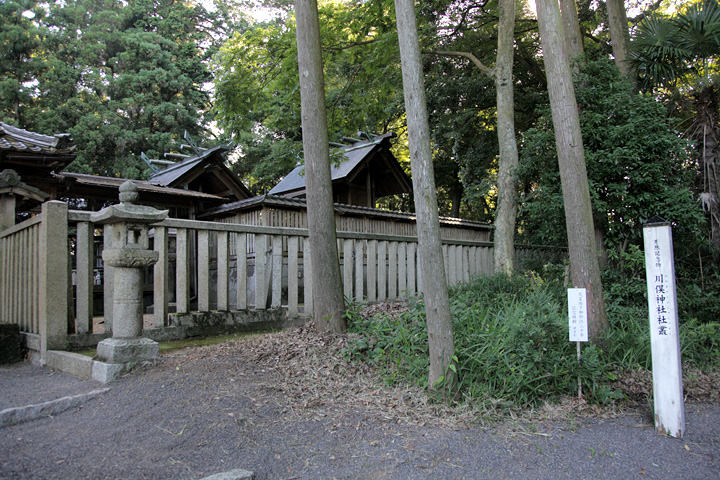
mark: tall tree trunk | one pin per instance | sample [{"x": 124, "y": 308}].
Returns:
[
  {"x": 620, "y": 37},
  {"x": 506, "y": 214},
  {"x": 328, "y": 300},
  {"x": 571, "y": 26},
  {"x": 456, "y": 194},
  {"x": 707, "y": 140},
  {"x": 584, "y": 267},
  {"x": 434, "y": 282}
]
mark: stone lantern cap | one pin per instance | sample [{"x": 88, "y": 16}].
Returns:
[{"x": 128, "y": 210}]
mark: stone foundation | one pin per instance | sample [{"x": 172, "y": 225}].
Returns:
[{"x": 127, "y": 350}]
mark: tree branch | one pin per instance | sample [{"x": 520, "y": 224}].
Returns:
[
  {"x": 351, "y": 45},
  {"x": 651, "y": 9},
  {"x": 449, "y": 53}
]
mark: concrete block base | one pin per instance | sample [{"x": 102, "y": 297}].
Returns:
[
  {"x": 127, "y": 350},
  {"x": 107, "y": 372},
  {"x": 83, "y": 367},
  {"x": 79, "y": 366}
]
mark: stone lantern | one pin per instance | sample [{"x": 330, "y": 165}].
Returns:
[{"x": 129, "y": 255}]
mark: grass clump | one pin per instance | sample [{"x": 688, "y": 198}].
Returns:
[
  {"x": 511, "y": 341},
  {"x": 511, "y": 344}
]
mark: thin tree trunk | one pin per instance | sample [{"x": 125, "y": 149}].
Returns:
[
  {"x": 709, "y": 161},
  {"x": 571, "y": 25},
  {"x": 620, "y": 37},
  {"x": 437, "y": 302},
  {"x": 584, "y": 263},
  {"x": 328, "y": 300},
  {"x": 506, "y": 214}
]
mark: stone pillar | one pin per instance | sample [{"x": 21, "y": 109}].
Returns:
[
  {"x": 8, "y": 178},
  {"x": 53, "y": 281},
  {"x": 128, "y": 255},
  {"x": 7, "y": 211}
]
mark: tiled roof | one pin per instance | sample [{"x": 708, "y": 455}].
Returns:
[
  {"x": 173, "y": 172},
  {"x": 353, "y": 154},
  {"x": 19, "y": 140}
]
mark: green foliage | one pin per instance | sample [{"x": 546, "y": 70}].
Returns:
[
  {"x": 20, "y": 38},
  {"x": 637, "y": 165},
  {"x": 699, "y": 342},
  {"x": 462, "y": 101},
  {"x": 258, "y": 99},
  {"x": 511, "y": 344},
  {"x": 669, "y": 48},
  {"x": 121, "y": 77},
  {"x": 511, "y": 340},
  {"x": 396, "y": 344}
]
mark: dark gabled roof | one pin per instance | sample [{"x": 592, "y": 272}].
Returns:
[
  {"x": 174, "y": 173},
  {"x": 276, "y": 201},
  {"x": 30, "y": 152},
  {"x": 182, "y": 172},
  {"x": 353, "y": 159}
]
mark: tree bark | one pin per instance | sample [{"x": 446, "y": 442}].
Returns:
[
  {"x": 434, "y": 285},
  {"x": 328, "y": 300},
  {"x": 506, "y": 214},
  {"x": 620, "y": 37},
  {"x": 584, "y": 266},
  {"x": 571, "y": 25}
]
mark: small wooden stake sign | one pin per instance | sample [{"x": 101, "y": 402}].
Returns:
[
  {"x": 577, "y": 316},
  {"x": 664, "y": 331}
]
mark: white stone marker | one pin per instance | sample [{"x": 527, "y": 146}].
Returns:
[{"x": 664, "y": 332}]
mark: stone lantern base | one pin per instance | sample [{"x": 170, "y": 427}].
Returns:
[{"x": 127, "y": 350}]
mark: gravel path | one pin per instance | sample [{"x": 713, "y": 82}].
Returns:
[{"x": 205, "y": 410}]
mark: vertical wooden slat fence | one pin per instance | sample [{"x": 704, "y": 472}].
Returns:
[
  {"x": 19, "y": 281},
  {"x": 206, "y": 266}
]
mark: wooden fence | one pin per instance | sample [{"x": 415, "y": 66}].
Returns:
[
  {"x": 203, "y": 266},
  {"x": 34, "y": 277}
]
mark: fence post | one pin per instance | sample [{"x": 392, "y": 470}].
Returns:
[
  {"x": 160, "y": 278},
  {"x": 84, "y": 262},
  {"x": 52, "y": 297}
]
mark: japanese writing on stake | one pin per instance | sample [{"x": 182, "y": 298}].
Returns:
[
  {"x": 577, "y": 314},
  {"x": 662, "y": 289},
  {"x": 664, "y": 338}
]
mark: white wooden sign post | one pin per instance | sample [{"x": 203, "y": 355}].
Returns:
[
  {"x": 664, "y": 332},
  {"x": 578, "y": 322}
]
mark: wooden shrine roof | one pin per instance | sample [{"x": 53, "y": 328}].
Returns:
[{"x": 356, "y": 157}]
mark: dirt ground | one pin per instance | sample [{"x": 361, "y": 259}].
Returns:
[{"x": 287, "y": 406}]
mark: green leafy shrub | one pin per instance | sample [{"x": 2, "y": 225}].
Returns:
[
  {"x": 511, "y": 339},
  {"x": 516, "y": 350},
  {"x": 511, "y": 344}
]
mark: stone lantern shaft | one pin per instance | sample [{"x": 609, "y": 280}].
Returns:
[{"x": 129, "y": 256}]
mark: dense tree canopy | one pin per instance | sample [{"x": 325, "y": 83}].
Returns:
[
  {"x": 126, "y": 77},
  {"x": 257, "y": 99},
  {"x": 637, "y": 165},
  {"x": 122, "y": 77}
]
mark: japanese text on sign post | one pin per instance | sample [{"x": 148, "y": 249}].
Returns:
[
  {"x": 664, "y": 333},
  {"x": 577, "y": 314}
]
